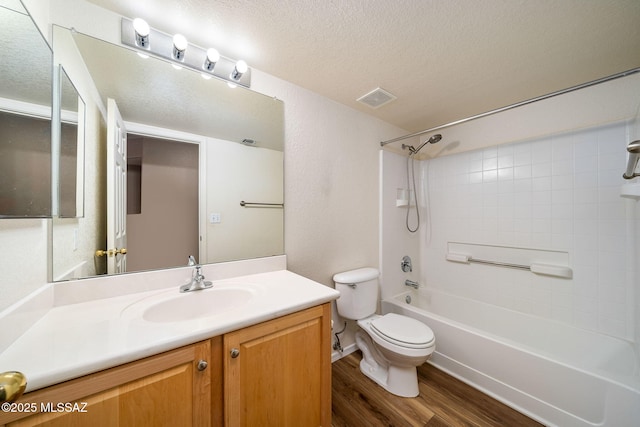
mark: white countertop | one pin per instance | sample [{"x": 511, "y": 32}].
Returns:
[{"x": 71, "y": 340}]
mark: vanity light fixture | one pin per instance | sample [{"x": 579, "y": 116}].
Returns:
[
  {"x": 142, "y": 31},
  {"x": 179, "y": 52}
]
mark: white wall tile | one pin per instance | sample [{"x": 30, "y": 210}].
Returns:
[
  {"x": 522, "y": 171},
  {"x": 587, "y": 163},
  {"x": 541, "y": 169},
  {"x": 560, "y": 193},
  {"x": 544, "y": 183}
]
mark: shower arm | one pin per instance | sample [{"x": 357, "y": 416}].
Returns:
[{"x": 634, "y": 155}]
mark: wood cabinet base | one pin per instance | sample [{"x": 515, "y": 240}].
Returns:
[{"x": 280, "y": 376}]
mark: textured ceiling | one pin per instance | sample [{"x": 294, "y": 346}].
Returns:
[{"x": 444, "y": 60}]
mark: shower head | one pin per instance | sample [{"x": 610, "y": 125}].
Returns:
[{"x": 434, "y": 139}]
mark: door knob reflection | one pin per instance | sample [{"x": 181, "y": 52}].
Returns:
[{"x": 111, "y": 252}]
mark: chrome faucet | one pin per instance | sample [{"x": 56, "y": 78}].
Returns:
[
  {"x": 411, "y": 283},
  {"x": 197, "y": 282}
]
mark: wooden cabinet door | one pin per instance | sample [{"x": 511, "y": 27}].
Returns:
[
  {"x": 278, "y": 373},
  {"x": 170, "y": 389}
]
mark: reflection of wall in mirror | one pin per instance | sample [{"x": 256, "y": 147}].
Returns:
[
  {"x": 252, "y": 174},
  {"x": 162, "y": 229},
  {"x": 68, "y": 169},
  {"x": 25, "y": 166}
]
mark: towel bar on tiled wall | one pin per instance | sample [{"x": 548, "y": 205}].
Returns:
[{"x": 537, "y": 268}]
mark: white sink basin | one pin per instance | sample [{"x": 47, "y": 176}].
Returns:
[
  {"x": 172, "y": 306},
  {"x": 197, "y": 304}
]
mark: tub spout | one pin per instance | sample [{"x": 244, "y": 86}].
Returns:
[{"x": 411, "y": 283}]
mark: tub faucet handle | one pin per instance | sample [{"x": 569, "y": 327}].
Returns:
[{"x": 406, "y": 264}]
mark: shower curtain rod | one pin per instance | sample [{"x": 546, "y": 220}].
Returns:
[{"x": 517, "y": 104}]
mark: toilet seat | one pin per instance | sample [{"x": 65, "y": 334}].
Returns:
[{"x": 403, "y": 331}]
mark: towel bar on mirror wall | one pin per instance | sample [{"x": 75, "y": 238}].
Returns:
[{"x": 261, "y": 205}]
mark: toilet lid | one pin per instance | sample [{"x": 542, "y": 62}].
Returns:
[{"x": 403, "y": 330}]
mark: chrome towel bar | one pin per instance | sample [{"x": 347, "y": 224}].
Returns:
[{"x": 261, "y": 205}]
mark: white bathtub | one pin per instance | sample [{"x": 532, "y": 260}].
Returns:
[{"x": 559, "y": 375}]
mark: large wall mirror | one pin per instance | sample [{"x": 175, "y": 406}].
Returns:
[
  {"x": 196, "y": 148},
  {"x": 25, "y": 116}
]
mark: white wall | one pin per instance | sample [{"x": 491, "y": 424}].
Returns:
[
  {"x": 331, "y": 181},
  {"x": 24, "y": 270}
]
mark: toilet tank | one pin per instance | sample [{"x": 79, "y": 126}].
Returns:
[{"x": 358, "y": 293}]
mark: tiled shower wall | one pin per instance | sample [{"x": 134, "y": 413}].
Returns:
[{"x": 560, "y": 192}]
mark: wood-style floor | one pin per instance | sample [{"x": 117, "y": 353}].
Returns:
[{"x": 443, "y": 401}]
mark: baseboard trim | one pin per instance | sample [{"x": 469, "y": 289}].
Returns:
[{"x": 336, "y": 355}]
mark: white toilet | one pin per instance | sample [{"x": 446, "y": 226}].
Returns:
[{"x": 392, "y": 345}]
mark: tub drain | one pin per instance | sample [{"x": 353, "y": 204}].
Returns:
[{"x": 408, "y": 299}]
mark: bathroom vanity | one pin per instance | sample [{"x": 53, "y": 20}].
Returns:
[{"x": 262, "y": 362}]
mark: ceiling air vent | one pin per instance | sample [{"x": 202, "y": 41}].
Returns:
[{"x": 376, "y": 98}]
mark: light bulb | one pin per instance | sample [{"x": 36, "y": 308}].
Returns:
[
  {"x": 179, "y": 46},
  {"x": 142, "y": 30},
  {"x": 240, "y": 68},
  {"x": 213, "y": 56}
]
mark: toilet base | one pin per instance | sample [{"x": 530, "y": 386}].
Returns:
[
  {"x": 402, "y": 382},
  {"x": 399, "y": 380}
]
